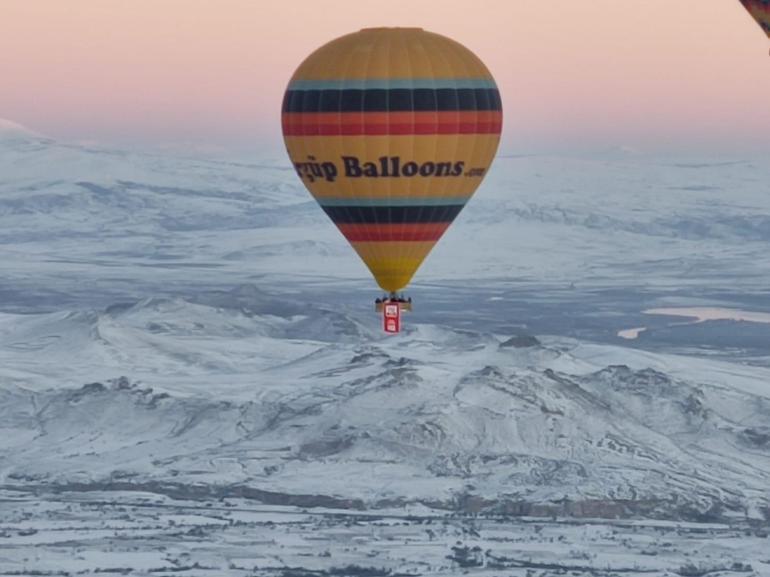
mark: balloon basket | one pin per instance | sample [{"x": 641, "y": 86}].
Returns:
[
  {"x": 391, "y": 309},
  {"x": 403, "y": 305}
]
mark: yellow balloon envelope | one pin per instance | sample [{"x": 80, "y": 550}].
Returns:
[
  {"x": 760, "y": 10},
  {"x": 392, "y": 130}
]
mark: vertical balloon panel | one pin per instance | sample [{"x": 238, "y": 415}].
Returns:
[{"x": 392, "y": 130}]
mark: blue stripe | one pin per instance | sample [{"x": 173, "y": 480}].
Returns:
[
  {"x": 391, "y": 83},
  {"x": 402, "y": 201},
  {"x": 392, "y": 214},
  {"x": 391, "y": 100}
]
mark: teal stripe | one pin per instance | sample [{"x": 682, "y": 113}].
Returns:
[
  {"x": 391, "y": 83},
  {"x": 409, "y": 201}
]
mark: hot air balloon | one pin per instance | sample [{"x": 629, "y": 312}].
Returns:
[
  {"x": 392, "y": 130},
  {"x": 760, "y": 11}
]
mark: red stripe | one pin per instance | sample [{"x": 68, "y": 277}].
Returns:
[
  {"x": 383, "y": 232},
  {"x": 378, "y": 123}
]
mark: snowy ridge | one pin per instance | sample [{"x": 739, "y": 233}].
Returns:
[
  {"x": 327, "y": 407},
  {"x": 128, "y": 219},
  {"x": 12, "y": 130},
  {"x": 192, "y": 380}
]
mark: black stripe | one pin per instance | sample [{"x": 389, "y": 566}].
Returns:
[
  {"x": 392, "y": 214},
  {"x": 397, "y": 99}
]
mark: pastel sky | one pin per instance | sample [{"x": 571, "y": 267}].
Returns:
[{"x": 593, "y": 73}]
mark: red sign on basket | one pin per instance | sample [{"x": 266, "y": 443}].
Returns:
[{"x": 391, "y": 316}]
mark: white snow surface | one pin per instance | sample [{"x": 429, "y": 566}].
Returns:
[
  {"x": 321, "y": 403},
  {"x": 73, "y": 214},
  {"x": 153, "y": 338}
]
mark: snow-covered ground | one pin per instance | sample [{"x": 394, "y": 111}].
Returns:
[
  {"x": 188, "y": 344},
  {"x": 146, "y": 534},
  {"x": 79, "y": 223}
]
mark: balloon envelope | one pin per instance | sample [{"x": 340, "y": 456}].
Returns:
[
  {"x": 760, "y": 10},
  {"x": 392, "y": 130}
]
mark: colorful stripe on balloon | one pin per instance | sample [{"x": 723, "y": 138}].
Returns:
[
  {"x": 382, "y": 123},
  {"x": 396, "y": 106},
  {"x": 393, "y": 232},
  {"x": 391, "y": 83},
  {"x": 391, "y": 100},
  {"x": 393, "y": 220},
  {"x": 426, "y": 201},
  {"x": 394, "y": 214}
]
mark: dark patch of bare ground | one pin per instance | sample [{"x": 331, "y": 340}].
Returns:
[{"x": 664, "y": 509}]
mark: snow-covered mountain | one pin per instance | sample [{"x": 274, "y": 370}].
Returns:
[
  {"x": 139, "y": 223},
  {"x": 191, "y": 332},
  {"x": 169, "y": 393}
]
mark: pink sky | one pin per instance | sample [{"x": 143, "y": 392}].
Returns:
[{"x": 601, "y": 73}]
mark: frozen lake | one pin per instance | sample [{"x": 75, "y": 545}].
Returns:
[{"x": 698, "y": 315}]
